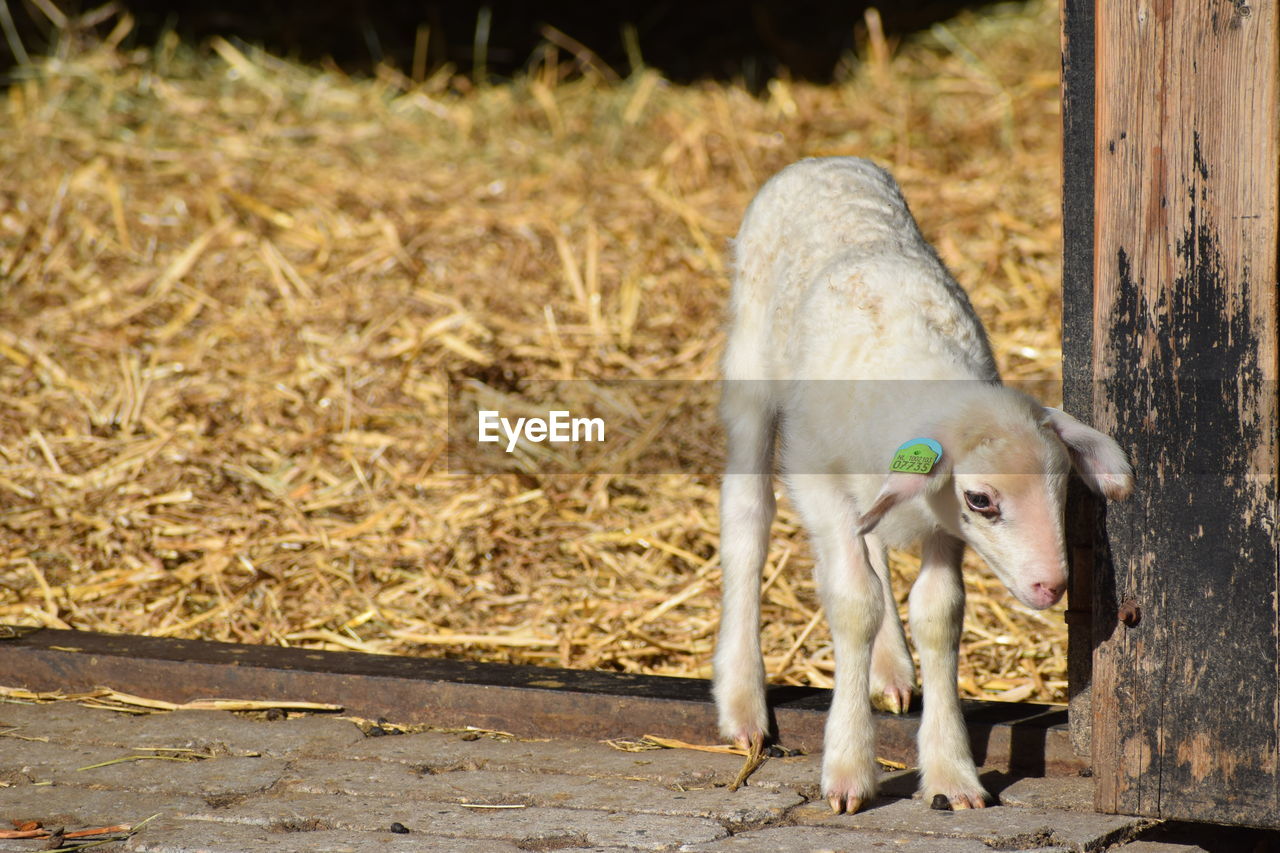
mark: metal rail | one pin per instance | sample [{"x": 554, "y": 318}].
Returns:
[{"x": 1021, "y": 738}]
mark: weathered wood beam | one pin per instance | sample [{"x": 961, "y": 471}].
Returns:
[{"x": 1186, "y": 690}]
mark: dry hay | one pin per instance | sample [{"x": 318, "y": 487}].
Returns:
[{"x": 234, "y": 288}]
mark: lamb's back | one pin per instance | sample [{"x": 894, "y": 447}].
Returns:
[{"x": 834, "y": 280}]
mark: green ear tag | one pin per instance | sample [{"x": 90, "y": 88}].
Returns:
[{"x": 917, "y": 456}]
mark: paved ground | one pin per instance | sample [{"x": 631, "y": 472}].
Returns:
[{"x": 323, "y": 784}]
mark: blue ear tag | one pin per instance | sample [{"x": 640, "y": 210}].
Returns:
[{"x": 917, "y": 456}]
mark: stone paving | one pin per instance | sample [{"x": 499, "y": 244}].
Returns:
[{"x": 313, "y": 783}]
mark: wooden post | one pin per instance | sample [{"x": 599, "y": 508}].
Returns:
[
  {"x": 1077, "y": 345},
  {"x": 1182, "y": 353}
]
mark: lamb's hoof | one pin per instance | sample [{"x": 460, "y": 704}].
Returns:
[
  {"x": 846, "y": 794},
  {"x": 893, "y": 700},
  {"x": 752, "y": 742},
  {"x": 844, "y": 803},
  {"x": 754, "y": 745},
  {"x": 969, "y": 801},
  {"x": 956, "y": 802}
]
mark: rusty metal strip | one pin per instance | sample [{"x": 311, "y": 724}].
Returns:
[{"x": 525, "y": 700}]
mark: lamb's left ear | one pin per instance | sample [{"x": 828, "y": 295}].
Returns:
[
  {"x": 898, "y": 487},
  {"x": 1097, "y": 459}
]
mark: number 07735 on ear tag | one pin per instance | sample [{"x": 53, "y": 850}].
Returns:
[{"x": 917, "y": 456}]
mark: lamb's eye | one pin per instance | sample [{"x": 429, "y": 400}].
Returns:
[{"x": 980, "y": 502}]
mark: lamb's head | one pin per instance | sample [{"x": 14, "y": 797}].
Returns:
[{"x": 1001, "y": 486}]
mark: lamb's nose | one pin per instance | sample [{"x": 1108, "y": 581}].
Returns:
[{"x": 1048, "y": 592}]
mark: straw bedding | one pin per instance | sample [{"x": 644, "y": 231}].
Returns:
[{"x": 233, "y": 290}]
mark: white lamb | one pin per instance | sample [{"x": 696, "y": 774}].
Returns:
[{"x": 849, "y": 338}]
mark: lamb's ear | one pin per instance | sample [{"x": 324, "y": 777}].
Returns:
[
  {"x": 916, "y": 467},
  {"x": 1097, "y": 459},
  {"x": 896, "y": 489}
]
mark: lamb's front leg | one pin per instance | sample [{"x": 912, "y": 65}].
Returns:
[
  {"x": 937, "y": 614},
  {"x": 853, "y": 598}
]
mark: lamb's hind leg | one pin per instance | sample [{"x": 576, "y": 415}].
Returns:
[
  {"x": 746, "y": 512},
  {"x": 892, "y": 672}
]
